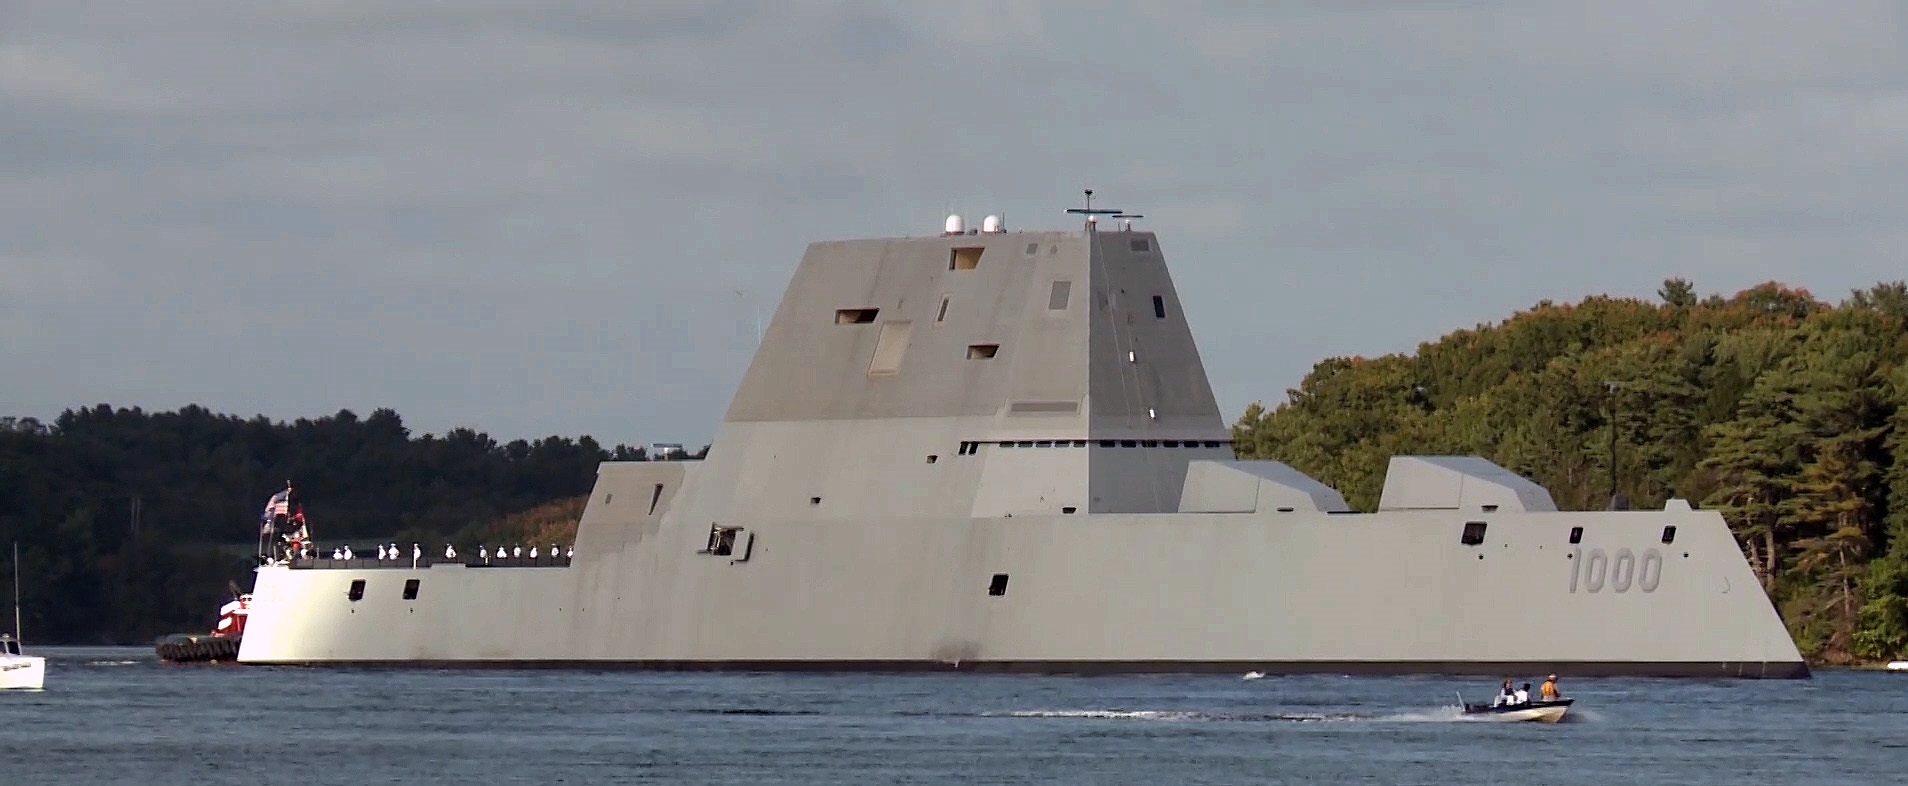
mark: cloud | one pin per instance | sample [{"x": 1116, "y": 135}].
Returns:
[{"x": 534, "y": 218}]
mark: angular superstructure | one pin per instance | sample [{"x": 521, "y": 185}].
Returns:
[{"x": 999, "y": 450}]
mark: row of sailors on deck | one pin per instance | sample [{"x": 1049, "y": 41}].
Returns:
[
  {"x": 450, "y": 552},
  {"x": 517, "y": 552}
]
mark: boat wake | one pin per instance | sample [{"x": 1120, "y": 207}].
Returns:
[
  {"x": 112, "y": 663},
  {"x": 1442, "y": 714}
]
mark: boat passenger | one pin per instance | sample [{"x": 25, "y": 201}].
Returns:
[
  {"x": 483, "y": 553},
  {"x": 450, "y": 552},
  {"x": 1504, "y": 694},
  {"x": 533, "y": 552},
  {"x": 1522, "y": 696},
  {"x": 1549, "y": 689},
  {"x": 571, "y": 553},
  {"x": 516, "y": 551},
  {"x": 380, "y": 552}
]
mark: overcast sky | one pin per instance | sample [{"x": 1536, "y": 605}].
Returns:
[{"x": 534, "y": 217}]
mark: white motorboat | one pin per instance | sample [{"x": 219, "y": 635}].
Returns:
[
  {"x": 1539, "y": 711},
  {"x": 19, "y": 671},
  {"x": 1898, "y": 665}
]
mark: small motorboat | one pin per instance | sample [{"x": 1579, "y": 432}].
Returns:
[
  {"x": 1897, "y": 665},
  {"x": 18, "y": 670},
  {"x": 1536, "y": 710}
]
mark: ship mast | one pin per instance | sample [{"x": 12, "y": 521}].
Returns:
[{"x": 16, "y": 593}]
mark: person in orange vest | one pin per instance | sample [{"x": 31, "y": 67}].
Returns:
[{"x": 1549, "y": 690}]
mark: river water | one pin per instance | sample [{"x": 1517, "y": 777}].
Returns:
[{"x": 116, "y": 716}]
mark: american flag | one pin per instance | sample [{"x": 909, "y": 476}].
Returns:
[{"x": 279, "y": 503}]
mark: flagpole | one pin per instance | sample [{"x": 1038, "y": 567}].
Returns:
[{"x": 16, "y": 593}]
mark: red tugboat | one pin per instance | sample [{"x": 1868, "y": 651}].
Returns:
[
  {"x": 282, "y": 537},
  {"x": 221, "y": 646}
]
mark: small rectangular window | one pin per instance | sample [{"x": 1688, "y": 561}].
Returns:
[
  {"x": 1033, "y": 248},
  {"x": 855, "y": 316},
  {"x": 410, "y": 589},
  {"x": 1057, "y": 299},
  {"x": 1159, "y": 307},
  {"x": 1140, "y": 245},
  {"x": 1669, "y": 534},
  {"x": 998, "y": 586},
  {"x": 357, "y": 590},
  {"x": 1473, "y": 533},
  {"x": 982, "y": 351},
  {"x": 654, "y": 498},
  {"x": 890, "y": 346},
  {"x": 964, "y": 258},
  {"x": 721, "y": 540},
  {"x": 1576, "y": 535},
  {"x": 941, "y": 316}
]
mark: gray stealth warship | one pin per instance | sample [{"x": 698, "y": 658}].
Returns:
[{"x": 998, "y": 451}]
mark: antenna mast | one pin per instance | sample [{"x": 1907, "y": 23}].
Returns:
[
  {"x": 1090, "y": 212},
  {"x": 16, "y": 593}
]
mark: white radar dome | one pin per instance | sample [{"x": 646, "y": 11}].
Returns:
[
  {"x": 955, "y": 226},
  {"x": 992, "y": 224}
]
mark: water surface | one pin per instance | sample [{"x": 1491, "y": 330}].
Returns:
[{"x": 115, "y": 715}]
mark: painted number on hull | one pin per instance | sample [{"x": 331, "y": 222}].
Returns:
[{"x": 1592, "y": 570}]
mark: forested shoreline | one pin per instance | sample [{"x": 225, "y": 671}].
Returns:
[
  {"x": 1786, "y": 413},
  {"x": 131, "y": 523}
]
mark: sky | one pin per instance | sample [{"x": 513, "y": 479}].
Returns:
[{"x": 566, "y": 216}]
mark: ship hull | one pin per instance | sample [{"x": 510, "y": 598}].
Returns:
[
  {"x": 1716, "y": 670},
  {"x": 1386, "y": 593}
]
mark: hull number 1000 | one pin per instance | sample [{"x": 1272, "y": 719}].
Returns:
[{"x": 1593, "y": 571}]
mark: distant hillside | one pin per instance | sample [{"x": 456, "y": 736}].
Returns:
[
  {"x": 1788, "y": 414},
  {"x": 550, "y": 523},
  {"x": 130, "y": 523}
]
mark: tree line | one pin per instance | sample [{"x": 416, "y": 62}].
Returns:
[
  {"x": 1786, "y": 413},
  {"x": 130, "y": 523}
]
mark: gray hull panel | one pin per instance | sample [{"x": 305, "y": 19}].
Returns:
[{"x": 1715, "y": 670}]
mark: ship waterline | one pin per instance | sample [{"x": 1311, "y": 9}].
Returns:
[{"x": 999, "y": 451}]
